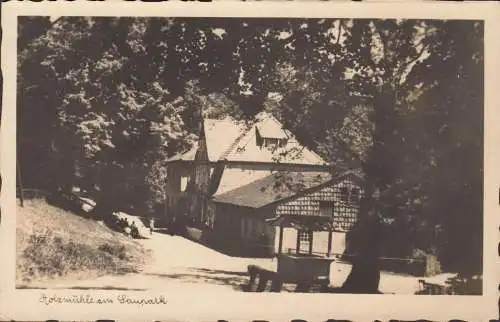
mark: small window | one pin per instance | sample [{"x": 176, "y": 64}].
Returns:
[
  {"x": 344, "y": 194},
  {"x": 184, "y": 183},
  {"x": 355, "y": 195},
  {"x": 326, "y": 208},
  {"x": 305, "y": 240},
  {"x": 271, "y": 143}
]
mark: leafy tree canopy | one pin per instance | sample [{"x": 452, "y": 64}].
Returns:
[{"x": 104, "y": 101}]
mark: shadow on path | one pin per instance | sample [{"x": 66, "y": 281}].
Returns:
[
  {"x": 212, "y": 276},
  {"x": 108, "y": 288}
]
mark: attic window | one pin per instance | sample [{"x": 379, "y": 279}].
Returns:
[
  {"x": 273, "y": 142},
  {"x": 269, "y": 140}
]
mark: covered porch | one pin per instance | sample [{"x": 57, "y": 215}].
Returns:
[
  {"x": 301, "y": 266},
  {"x": 304, "y": 227}
]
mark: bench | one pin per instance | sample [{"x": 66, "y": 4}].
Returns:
[
  {"x": 427, "y": 288},
  {"x": 319, "y": 284},
  {"x": 263, "y": 276},
  {"x": 260, "y": 278}
]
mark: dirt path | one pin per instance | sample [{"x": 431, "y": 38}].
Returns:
[{"x": 179, "y": 264}]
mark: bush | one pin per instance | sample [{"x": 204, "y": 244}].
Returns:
[
  {"x": 52, "y": 242},
  {"x": 114, "y": 250},
  {"x": 48, "y": 256},
  {"x": 472, "y": 285}
]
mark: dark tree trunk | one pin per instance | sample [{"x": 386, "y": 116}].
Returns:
[
  {"x": 365, "y": 274},
  {"x": 379, "y": 175}
]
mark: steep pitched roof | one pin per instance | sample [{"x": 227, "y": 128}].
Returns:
[
  {"x": 232, "y": 140},
  {"x": 233, "y": 178},
  {"x": 219, "y": 135},
  {"x": 245, "y": 148},
  {"x": 273, "y": 188},
  {"x": 185, "y": 156},
  {"x": 271, "y": 128}
]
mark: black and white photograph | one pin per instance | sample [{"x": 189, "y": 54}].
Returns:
[{"x": 243, "y": 155}]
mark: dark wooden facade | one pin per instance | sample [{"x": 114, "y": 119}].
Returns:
[
  {"x": 241, "y": 231},
  {"x": 247, "y": 233},
  {"x": 339, "y": 201}
]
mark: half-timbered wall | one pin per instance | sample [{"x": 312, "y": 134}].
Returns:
[{"x": 341, "y": 201}]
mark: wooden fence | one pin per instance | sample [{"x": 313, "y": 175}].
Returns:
[
  {"x": 32, "y": 194},
  {"x": 413, "y": 266}
]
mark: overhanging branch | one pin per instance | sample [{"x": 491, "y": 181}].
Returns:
[
  {"x": 340, "y": 31},
  {"x": 417, "y": 57},
  {"x": 346, "y": 148}
]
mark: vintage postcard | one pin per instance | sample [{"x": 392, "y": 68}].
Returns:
[{"x": 239, "y": 162}]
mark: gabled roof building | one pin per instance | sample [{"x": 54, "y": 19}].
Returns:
[{"x": 239, "y": 175}]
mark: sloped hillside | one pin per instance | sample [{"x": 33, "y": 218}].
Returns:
[{"x": 53, "y": 243}]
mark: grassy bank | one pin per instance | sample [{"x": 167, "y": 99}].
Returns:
[{"x": 53, "y": 243}]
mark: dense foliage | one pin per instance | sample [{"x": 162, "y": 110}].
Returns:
[{"x": 104, "y": 101}]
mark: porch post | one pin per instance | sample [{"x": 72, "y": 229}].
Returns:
[
  {"x": 280, "y": 242},
  {"x": 298, "y": 242},
  {"x": 329, "y": 242},
  {"x": 311, "y": 242}
]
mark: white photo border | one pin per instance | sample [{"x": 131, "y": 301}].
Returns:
[{"x": 16, "y": 304}]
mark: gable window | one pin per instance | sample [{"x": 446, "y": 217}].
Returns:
[
  {"x": 272, "y": 143},
  {"x": 344, "y": 194},
  {"x": 326, "y": 208},
  {"x": 355, "y": 195},
  {"x": 269, "y": 141},
  {"x": 350, "y": 195}
]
